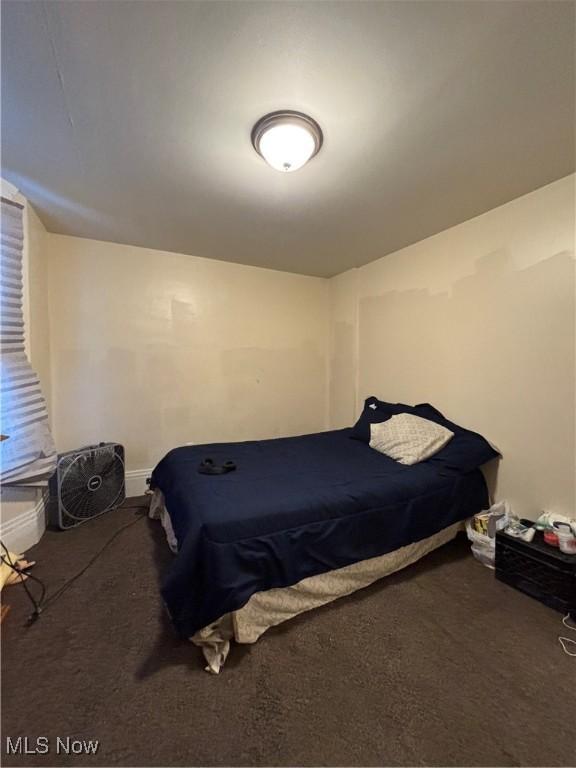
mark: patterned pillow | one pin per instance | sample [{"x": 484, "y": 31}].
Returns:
[{"x": 408, "y": 439}]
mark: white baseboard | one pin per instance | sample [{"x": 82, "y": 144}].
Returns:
[
  {"x": 26, "y": 528},
  {"x": 136, "y": 482}
]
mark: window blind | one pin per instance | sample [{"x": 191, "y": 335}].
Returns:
[{"x": 27, "y": 451}]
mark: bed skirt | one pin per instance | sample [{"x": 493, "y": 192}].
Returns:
[{"x": 274, "y": 606}]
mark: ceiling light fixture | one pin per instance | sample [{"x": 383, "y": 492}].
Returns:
[{"x": 287, "y": 139}]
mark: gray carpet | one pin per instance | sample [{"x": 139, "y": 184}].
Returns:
[{"x": 437, "y": 665}]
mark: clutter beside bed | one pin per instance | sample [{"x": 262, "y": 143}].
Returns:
[
  {"x": 542, "y": 566},
  {"x": 481, "y": 531},
  {"x": 557, "y": 531},
  {"x": 537, "y": 558}
]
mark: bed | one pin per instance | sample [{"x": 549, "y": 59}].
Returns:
[{"x": 301, "y": 521}]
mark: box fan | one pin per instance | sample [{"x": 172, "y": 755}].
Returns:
[{"x": 87, "y": 483}]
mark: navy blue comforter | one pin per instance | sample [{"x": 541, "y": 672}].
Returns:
[{"x": 295, "y": 507}]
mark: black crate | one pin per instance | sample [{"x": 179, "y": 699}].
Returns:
[{"x": 538, "y": 569}]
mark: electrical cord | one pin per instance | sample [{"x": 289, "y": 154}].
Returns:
[
  {"x": 45, "y": 602},
  {"x": 59, "y": 592},
  {"x": 22, "y": 572},
  {"x": 567, "y": 641}
]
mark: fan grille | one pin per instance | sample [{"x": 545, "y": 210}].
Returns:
[{"x": 90, "y": 482}]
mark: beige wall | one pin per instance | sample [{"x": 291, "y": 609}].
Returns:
[
  {"x": 343, "y": 351},
  {"x": 156, "y": 349},
  {"x": 479, "y": 321}
]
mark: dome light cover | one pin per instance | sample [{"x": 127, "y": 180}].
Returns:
[{"x": 287, "y": 139}]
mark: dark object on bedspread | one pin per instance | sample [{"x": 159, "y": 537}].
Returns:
[
  {"x": 298, "y": 507},
  {"x": 207, "y": 467}
]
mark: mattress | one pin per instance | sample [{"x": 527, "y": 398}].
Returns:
[{"x": 294, "y": 508}]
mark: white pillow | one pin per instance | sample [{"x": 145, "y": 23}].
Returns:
[{"x": 408, "y": 438}]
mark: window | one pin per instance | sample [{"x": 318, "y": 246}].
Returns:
[{"x": 27, "y": 452}]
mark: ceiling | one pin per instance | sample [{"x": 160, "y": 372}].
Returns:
[{"x": 130, "y": 121}]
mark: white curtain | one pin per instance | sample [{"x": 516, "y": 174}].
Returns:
[{"x": 27, "y": 452}]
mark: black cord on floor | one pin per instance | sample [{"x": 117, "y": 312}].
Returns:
[
  {"x": 43, "y": 603},
  {"x": 59, "y": 592},
  {"x": 22, "y": 572}
]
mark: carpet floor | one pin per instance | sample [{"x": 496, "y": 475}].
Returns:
[{"x": 439, "y": 665}]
